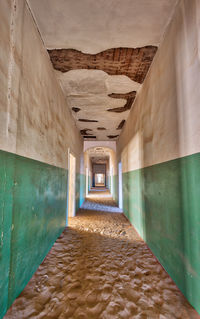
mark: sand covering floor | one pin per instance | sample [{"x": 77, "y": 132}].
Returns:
[{"x": 100, "y": 268}]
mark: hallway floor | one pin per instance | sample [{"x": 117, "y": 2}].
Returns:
[{"x": 100, "y": 268}]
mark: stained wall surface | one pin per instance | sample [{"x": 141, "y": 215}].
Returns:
[
  {"x": 113, "y": 164},
  {"x": 160, "y": 152},
  {"x": 36, "y": 130},
  {"x": 35, "y": 120}
]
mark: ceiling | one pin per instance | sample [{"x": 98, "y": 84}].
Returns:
[
  {"x": 101, "y": 52},
  {"x": 99, "y": 155}
]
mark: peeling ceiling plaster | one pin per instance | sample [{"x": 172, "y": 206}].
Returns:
[
  {"x": 88, "y": 90},
  {"x": 95, "y": 82},
  {"x": 101, "y": 52},
  {"x": 99, "y": 154},
  {"x": 134, "y": 63}
]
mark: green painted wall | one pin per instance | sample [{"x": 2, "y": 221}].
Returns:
[
  {"x": 89, "y": 183},
  {"x": 163, "y": 203},
  {"x": 6, "y": 204},
  {"x": 115, "y": 188},
  {"x": 32, "y": 216},
  {"x": 80, "y": 189},
  {"x": 133, "y": 202},
  {"x": 77, "y": 190}
]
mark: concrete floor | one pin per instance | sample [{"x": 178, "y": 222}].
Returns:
[{"x": 100, "y": 268}]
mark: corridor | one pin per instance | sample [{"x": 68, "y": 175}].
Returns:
[
  {"x": 99, "y": 159},
  {"x": 100, "y": 268}
]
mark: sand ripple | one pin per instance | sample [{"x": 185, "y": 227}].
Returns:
[{"x": 100, "y": 268}]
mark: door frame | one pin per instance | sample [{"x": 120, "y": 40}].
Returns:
[
  {"x": 120, "y": 185},
  {"x": 111, "y": 181},
  {"x": 86, "y": 182},
  {"x": 69, "y": 184}
]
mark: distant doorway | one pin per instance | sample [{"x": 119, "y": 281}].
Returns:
[
  {"x": 71, "y": 186},
  {"x": 120, "y": 185},
  {"x": 99, "y": 180}
]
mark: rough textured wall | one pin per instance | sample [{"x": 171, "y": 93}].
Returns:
[
  {"x": 33, "y": 211},
  {"x": 159, "y": 148},
  {"x": 164, "y": 122},
  {"x": 34, "y": 119},
  {"x": 80, "y": 184},
  {"x": 80, "y": 189},
  {"x": 113, "y": 166},
  {"x": 36, "y": 130}
]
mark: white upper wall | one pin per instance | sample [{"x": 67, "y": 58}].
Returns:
[
  {"x": 35, "y": 120},
  {"x": 164, "y": 123},
  {"x": 92, "y": 26}
]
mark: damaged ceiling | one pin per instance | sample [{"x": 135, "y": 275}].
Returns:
[
  {"x": 101, "y": 52},
  {"x": 99, "y": 155}
]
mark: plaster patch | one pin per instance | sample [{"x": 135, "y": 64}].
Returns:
[
  {"x": 77, "y": 82},
  {"x": 94, "y": 102},
  {"x": 89, "y": 94},
  {"x": 110, "y": 122},
  {"x": 121, "y": 84}
]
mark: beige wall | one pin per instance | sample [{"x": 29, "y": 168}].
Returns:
[
  {"x": 164, "y": 120},
  {"x": 35, "y": 121},
  {"x": 113, "y": 162}
]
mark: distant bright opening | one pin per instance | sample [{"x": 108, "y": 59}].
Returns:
[{"x": 99, "y": 180}]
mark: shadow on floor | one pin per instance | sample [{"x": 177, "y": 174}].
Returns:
[{"x": 100, "y": 200}]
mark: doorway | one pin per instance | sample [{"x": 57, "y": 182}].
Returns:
[
  {"x": 111, "y": 181},
  {"x": 99, "y": 180},
  {"x": 72, "y": 186},
  {"x": 120, "y": 185}
]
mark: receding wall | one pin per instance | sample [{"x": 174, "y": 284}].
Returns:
[
  {"x": 160, "y": 153},
  {"x": 36, "y": 130},
  {"x": 80, "y": 184},
  {"x": 114, "y": 177}
]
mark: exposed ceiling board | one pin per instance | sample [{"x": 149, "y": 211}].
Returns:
[
  {"x": 94, "y": 26},
  {"x": 133, "y": 63},
  {"x": 101, "y": 52}
]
